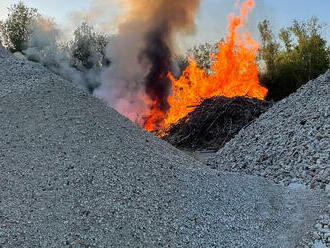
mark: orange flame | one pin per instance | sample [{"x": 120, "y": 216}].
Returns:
[
  {"x": 155, "y": 118},
  {"x": 235, "y": 73}
]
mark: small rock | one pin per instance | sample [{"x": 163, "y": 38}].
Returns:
[
  {"x": 318, "y": 226},
  {"x": 327, "y": 236},
  {"x": 296, "y": 186},
  {"x": 319, "y": 244},
  {"x": 316, "y": 235},
  {"x": 327, "y": 188}
]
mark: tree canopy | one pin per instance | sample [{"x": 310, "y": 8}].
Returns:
[
  {"x": 16, "y": 29},
  {"x": 298, "y": 55},
  {"x": 88, "y": 47}
]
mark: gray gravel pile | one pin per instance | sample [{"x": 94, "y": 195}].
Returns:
[
  {"x": 23, "y": 76},
  {"x": 3, "y": 52},
  {"x": 75, "y": 173},
  {"x": 289, "y": 144}
]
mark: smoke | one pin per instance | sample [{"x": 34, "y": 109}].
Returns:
[
  {"x": 142, "y": 55},
  {"x": 101, "y": 15},
  {"x": 46, "y": 45}
]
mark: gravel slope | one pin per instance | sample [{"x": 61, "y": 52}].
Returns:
[
  {"x": 3, "y": 52},
  {"x": 74, "y": 173},
  {"x": 290, "y": 143}
]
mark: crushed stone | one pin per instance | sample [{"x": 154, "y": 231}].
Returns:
[
  {"x": 75, "y": 173},
  {"x": 289, "y": 144}
]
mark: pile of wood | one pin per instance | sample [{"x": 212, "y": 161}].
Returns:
[{"x": 215, "y": 121}]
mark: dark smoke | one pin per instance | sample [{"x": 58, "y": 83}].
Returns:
[
  {"x": 142, "y": 55},
  {"x": 159, "y": 54}
]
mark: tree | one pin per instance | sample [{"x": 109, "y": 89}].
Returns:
[
  {"x": 87, "y": 52},
  {"x": 16, "y": 29},
  {"x": 88, "y": 48},
  {"x": 202, "y": 54},
  {"x": 293, "y": 64},
  {"x": 270, "y": 48}
]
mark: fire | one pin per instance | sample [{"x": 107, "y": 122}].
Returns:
[
  {"x": 234, "y": 73},
  {"x": 155, "y": 119}
]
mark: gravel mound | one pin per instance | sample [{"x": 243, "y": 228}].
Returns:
[
  {"x": 75, "y": 173},
  {"x": 290, "y": 143},
  {"x": 3, "y": 52},
  {"x": 18, "y": 75}
]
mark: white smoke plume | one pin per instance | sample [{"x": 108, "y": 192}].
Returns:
[{"x": 47, "y": 46}]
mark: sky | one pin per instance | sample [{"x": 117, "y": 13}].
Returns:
[{"x": 211, "y": 19}]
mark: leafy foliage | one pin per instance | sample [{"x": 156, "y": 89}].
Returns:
[
  {"x": 301, "y": 54},
  {"x": 88, "y": 48},
  {"x": 87, "y": 54},
  {"x": 202, "y": 54},
  {"x": 16, "y": 29}
]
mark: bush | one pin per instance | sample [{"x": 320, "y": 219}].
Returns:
[
  {"x": 88, "y": 48},
  {"x": 202, "y": 54},
  {"x": 16, "y": 29},
  {"x": 300, "y": 55},
  {"x": 87, "y": 54},
  {"x": 38, "y": 39}
]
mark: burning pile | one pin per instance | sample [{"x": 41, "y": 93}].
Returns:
[
  {"x": 235, "y": 73},
  {"x": 141, "y": 82},
  {"x": 137, "y": 83},
  {"x": 215, "y": 121}
]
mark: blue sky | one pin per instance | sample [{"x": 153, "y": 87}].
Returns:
[
  {"x": 211, "y": 19},
  {"x": 280, "y": 12}
]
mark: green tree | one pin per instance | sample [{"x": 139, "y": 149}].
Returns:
[
  {"x": 16, "y": 29},
  {"x": 87, "y": 54},
  {"x": 270, "y": 48},
  {"x": 303, "y": 56},
  {"x": 88, "y": 48}
]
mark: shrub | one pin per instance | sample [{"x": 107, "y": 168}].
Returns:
[
  {"x": 16, "y": 29},
  {"x": 88, "y": 48},
  {"x": 202, "y": 54},
  {"x": 87, "y": 54}
]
